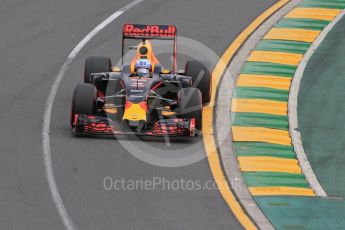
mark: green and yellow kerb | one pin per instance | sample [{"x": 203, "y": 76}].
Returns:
[{"x": 260, "y": 101}]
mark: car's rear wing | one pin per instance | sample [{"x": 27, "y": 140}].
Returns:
[
  {"x": 154, "y": 32},
  {"x": 139, "y": 31}
]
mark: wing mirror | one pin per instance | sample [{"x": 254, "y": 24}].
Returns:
[
  {"x": 115, "y": 69},
  {"x": 165, "y": 71}
]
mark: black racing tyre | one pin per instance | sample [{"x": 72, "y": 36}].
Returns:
[
  {"x": 189, "y": 102},
  {"x": 96, "y": 65},
  {"x": 201, "y": 77},
  {"x": 84, "y": 100}
]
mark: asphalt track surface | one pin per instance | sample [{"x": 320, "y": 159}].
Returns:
[{"x": 36, "y": 38}]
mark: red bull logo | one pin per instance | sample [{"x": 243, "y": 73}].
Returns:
[
  {"x": 135, "y": 112},
  {"x": 149, "y": 30}
]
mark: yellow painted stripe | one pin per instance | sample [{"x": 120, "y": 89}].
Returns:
[
  {"x": 269, "y": 160},
  {"x": 314, "y": 13},
  {"x": 292, "y": 34},
  {"x": 110, "y": 110},
  {"x": 281, "y": 191},
  {"x": 259, "y": 106},
  {"x": 207, "y": 121},
  {"x": 275, "y": 57},
  {"x": 260, "y": 134},
  {"x": 269, "y": 164},
  {"x": 274, "y": 82},
  {"x": 237, "y": 43},
  {"x": 168, "y": 113}
]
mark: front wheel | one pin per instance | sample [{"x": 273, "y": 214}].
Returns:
[
  {"x": 201, "y": 77},
  {"x": 84, "y": 101},
  {"x": 96, "y": 65},
  {"x": 190, "y": 105}
]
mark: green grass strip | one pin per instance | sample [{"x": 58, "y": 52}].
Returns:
[
  {"x": 264, "y": 149},
  {"x": 301, "y": 23},
  {"x": 260, "y": 120},
  {"x": 261, "y": 93},
  {"x": 283, "y": 46},
  {"x": 264, "y": 68},
  {"x": 331, "y": 4},
  {"x": 273, "y": 179}
]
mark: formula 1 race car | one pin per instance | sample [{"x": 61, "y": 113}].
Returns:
[{"x": 141, "y": 97}]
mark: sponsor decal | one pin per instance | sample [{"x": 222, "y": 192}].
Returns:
[
  {"x": 137, "y": 79},
  {"x": 136, "y": 30},
  {"x": 137, "y": 86},
  {"x": 136, "y": 96},
  {"x": 137, "y": 90}
]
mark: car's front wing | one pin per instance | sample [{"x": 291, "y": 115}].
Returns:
[{"x": 98, "y": 125}]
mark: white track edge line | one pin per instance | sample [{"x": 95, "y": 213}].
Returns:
[
  {"x": 67, "y": 221},
  {"x": 292, "y": 108}
]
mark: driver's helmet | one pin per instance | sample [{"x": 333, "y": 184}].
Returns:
[{"x": 143, "y": 67}]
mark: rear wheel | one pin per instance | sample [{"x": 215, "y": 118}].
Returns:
[
  {"x": 201, "y": 77},
  {"x": 190, "y": 105},
  {"x": 84, "y": 100},
  {"x": 96, "y": 65}
]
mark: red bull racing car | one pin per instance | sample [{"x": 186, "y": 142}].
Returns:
[{"x": 141, "y": 97}]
